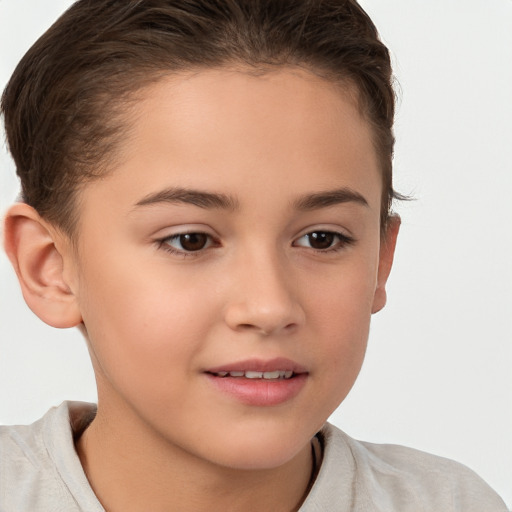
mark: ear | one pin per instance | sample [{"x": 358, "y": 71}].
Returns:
[
  {"x": 387, "y": 252},
  {"x": 32, "y": 246}
]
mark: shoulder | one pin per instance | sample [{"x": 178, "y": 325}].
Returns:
[
  {"x": 38, "y": 463},
  {"x": 390, "y": 477}
]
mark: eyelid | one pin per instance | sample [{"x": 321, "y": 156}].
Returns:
[
  {"x": 161, "y": 241},
  {"x": 344, "y": 239}
]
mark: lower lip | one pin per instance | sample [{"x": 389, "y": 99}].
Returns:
[{"x": 260, "y": 392}]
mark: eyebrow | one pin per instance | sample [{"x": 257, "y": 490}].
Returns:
[
  {"x": 328, "y": 198},
  {"x": 190, "y": 196},
  {"x": 208, "y": 200}
]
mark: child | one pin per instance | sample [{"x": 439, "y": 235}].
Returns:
[{"x": 206, "y": 195}]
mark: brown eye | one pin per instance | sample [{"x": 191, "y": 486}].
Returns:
[
  {"x": 193, "y": 241},
  {"x": 324, "y": 241},
  {"x": 187, "y": 242},
  {"x": 321, "y": 239}
]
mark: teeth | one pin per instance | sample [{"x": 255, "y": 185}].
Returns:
[
  {"x": 277, "y": 374},
  {"x": 253, "y": 375},
  {"x": 272, "y": 375}
]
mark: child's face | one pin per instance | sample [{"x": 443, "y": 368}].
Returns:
[{"x": 248, "y": 167}]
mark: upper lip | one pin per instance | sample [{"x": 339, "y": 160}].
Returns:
[{"x": 260, "y": 365}]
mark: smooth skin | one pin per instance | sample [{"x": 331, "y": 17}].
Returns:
[{"x": 275, "y": 180}]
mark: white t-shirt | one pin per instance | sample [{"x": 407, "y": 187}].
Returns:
[{"x": 41, "y": 472}]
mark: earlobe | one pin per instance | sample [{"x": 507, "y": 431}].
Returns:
[
  {"x": 387, "y": 252},
  {"x": 30, "y": 244}
]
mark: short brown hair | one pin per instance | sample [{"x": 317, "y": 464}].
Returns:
[{"x": 63, "y": 105}]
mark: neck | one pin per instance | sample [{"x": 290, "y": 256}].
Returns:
[{"x": 131, "y": 469}]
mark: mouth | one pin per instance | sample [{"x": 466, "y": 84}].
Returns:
[
  {"x": 259, "y": 383},
  {"x": 279, "y": 368},
  {"x": 247, "y": 374}
]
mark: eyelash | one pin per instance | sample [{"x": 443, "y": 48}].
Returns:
[
  {"x": 343, "y": 242},
  {"x": 163, "y": 243}
]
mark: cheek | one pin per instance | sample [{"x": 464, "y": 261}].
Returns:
[
  {"x": 342, "y": 314},
  {"x": 140, "y": 324},
  {"x": 342, "y": 300},
  {"x": 344, "y": 339}
]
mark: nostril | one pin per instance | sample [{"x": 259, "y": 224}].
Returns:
[
  {"x": 253, "y": 328},
  {"x": 257, "y": 316},
  {"x": 266, "y": 331}
]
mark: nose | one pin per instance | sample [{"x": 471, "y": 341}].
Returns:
[{"x": 263, "y": 296}]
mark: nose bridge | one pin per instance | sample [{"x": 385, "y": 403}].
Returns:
[{"x": 264, "y": 297}]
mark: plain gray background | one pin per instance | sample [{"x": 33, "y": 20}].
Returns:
[{"x": 438, "y": 370}]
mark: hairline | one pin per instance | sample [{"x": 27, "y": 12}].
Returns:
[{"x": 126, "y": 117}]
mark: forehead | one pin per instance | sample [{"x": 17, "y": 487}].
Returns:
[
  {"x": 226, "y": 128},
  {"x": 248, "y": 105}
]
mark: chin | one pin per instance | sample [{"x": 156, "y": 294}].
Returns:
[{"x": 259, "y": 451}]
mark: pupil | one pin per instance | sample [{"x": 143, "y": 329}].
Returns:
[
  {"x": 321, "y": 240},
  {"x": 193, "y": 241}
]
